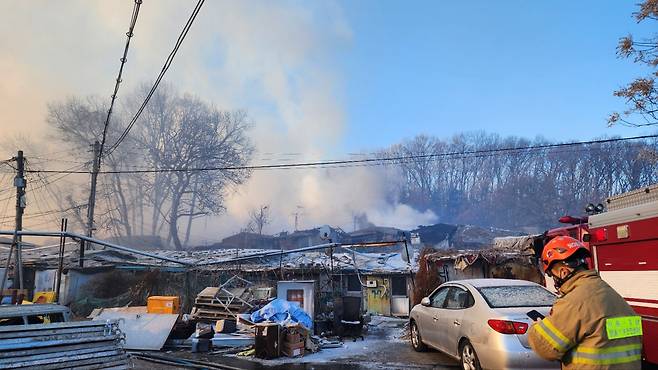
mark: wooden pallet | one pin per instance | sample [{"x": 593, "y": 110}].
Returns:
[
  {"x": 220, "y": 306},
  {"x": 215, "y": 303},
  {"x": 215, "y": 292},
  {"x": 213, "y": 317}
]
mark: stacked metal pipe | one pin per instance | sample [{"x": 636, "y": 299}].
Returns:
[{"x": 76, "y": 345}]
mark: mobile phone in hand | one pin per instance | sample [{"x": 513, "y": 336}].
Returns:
[{"x": 535, "y": 315}]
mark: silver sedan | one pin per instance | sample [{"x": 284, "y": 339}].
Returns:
[{"x": 482, "y": 322}]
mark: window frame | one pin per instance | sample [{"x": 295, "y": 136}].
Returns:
[
  {"x": 436, "y": 292},
  {"x": 403, "y": 280},
  {"x": 354, "y": 279},
  {"x": 295, "y": 292},
  {"x": 470, "y": 302}
]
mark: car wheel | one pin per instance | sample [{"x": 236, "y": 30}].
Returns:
[
  {"x": 469, "y": 358},
  {"x": 416, "y": 341}
]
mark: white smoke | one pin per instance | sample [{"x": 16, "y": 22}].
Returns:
[
  {"x": 326, "y": 196},
  {"x": 277, "y": 60}
]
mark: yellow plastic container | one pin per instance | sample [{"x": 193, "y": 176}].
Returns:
[
  {"x": 163, "y": 304},
  {"x": 44, "y": 297}
]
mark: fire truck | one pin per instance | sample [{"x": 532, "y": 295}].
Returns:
[{"x": 622, "y": 236}]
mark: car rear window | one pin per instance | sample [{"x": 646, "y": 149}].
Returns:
[{"x": 517, "y": 296}]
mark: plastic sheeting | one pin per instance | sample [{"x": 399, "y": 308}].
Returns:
[{"x": 282, "y": 312}]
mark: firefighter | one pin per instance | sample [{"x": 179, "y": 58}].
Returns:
[{"x": 590, "y": 325}]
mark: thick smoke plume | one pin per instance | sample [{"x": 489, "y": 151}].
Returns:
[{"x": 275, "y": 60}]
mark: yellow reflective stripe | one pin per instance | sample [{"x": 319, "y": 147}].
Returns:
[
  {"x": 626, "y": 347},
  {"x": 606, "y": 356},
  {"x": 612, "y": 361},
  {"x": 623, "y": 327},
  {"x": 555, "y": 331},
  {"x": 550, "y": 338}
]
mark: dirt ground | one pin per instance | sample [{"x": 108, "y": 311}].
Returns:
[{"x": 382, "y": 349}]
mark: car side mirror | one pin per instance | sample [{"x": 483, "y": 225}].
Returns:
[{"x": 425, "y": 301}]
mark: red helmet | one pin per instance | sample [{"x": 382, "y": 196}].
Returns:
[{"x": 561, "y": 248}]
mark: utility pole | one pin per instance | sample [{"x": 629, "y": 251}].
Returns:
[
  {"x": 19, "y": 183},
  {"x": 297, "y": 214},
  {"x": 92, "y": 199}
]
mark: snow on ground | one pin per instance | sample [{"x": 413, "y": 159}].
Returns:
[{"x": 380, "y": 330}]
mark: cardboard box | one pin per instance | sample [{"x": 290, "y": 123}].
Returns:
[
  {"x": 293, "y": 353},
  {"x": 163, "y": 304},
  {"x": 292, "y": 349},
  {"x": 293, "y": 345},
  {"x": 293, "y": 337}
]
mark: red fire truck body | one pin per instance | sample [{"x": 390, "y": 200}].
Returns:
[{"x": 624, "y": 245}]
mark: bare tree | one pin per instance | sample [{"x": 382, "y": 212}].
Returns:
[
  {"x": 642, "y": 93},
  {"x": 517, "y": 188},
  {"x": 211, "y": 143},
  {"x": 258, "y": 219},
  {"x": 197, "y": 151},
  {"x": 77, "y": 123}
]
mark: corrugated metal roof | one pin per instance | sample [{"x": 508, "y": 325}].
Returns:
[{"x": 343, "y": 258}]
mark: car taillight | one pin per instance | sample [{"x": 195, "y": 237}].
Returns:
[{"x": 508, "y": 327}]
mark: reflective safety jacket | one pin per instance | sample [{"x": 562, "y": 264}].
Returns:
[{"x": 590, "y": 327}]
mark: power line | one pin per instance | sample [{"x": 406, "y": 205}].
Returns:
[
  {"x": 47, "y": 213},
  {"x": 123, "y": 60},
  {"x": 165, "y": 67},
  {"x": 98, "y": 147},
  {"x": 41, "y": 160},
  {"x": 63, "y": 173},
  {"x": 373, "y": 161}
]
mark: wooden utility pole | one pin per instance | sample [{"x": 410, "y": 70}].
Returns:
[
  {"x": 92, "y": 199},
  {"x": 19, "y": 183}
]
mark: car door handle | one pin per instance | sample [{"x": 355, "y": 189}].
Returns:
[
  {"x": 435, "y": 318},
  {"x": 456, "y": 322}
]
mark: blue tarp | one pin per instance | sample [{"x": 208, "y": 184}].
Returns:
[{"x": 282, "y": 311}]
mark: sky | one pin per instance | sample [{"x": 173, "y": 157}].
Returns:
[
  {"x": 395, "y": 69},
  {"x": 324, "y": 79},
  {"x": 524, "y": 68}
]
